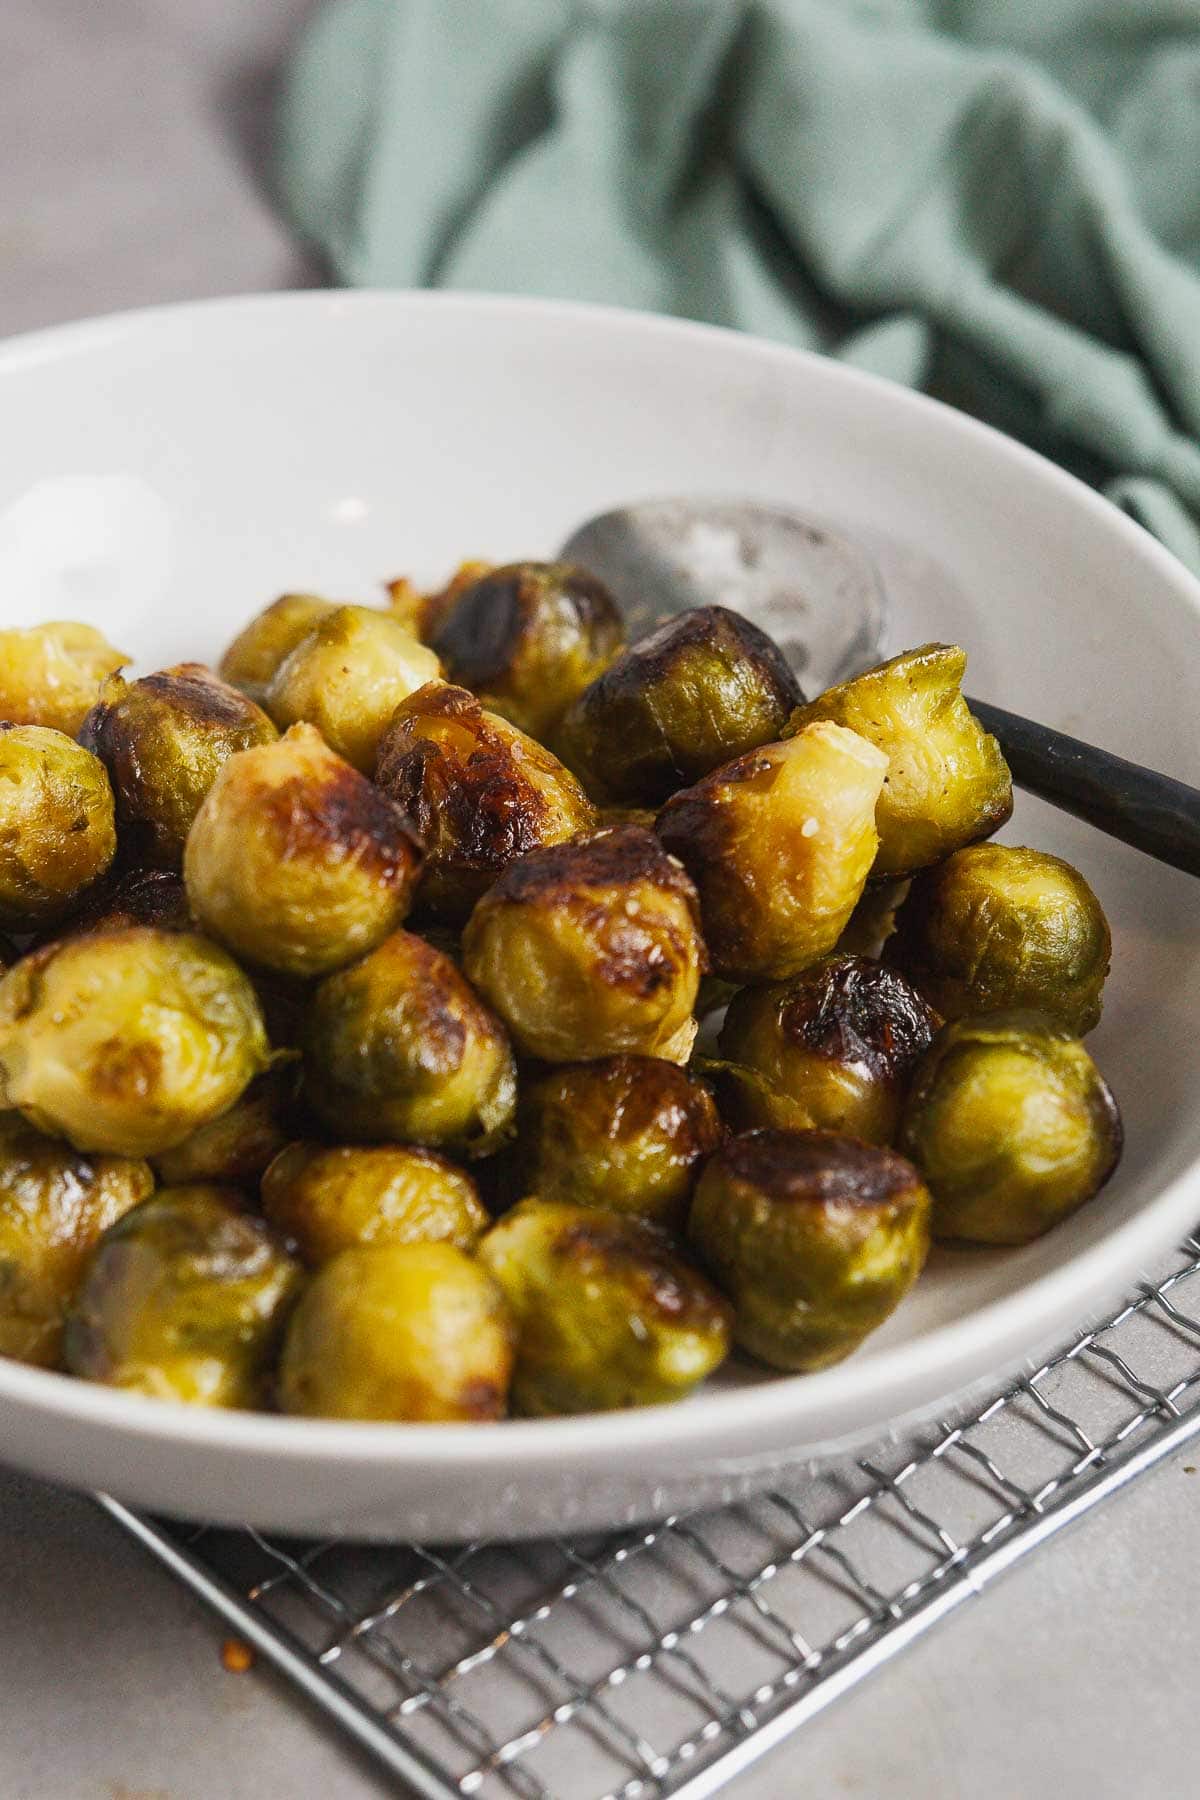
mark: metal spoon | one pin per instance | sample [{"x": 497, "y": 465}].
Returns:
[{"x": 819, "y": 596}]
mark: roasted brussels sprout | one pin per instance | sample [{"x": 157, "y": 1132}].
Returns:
[
  {"x": 701, "y": 689},
  {"x": 478, "y": 791},
  {"x": 51, "y": 674},
  {"x": 629, "y": 1133},
  {"x": 399, "y": 1048},
  {"x": 836, "y": 1047},
  {"x": 947, "y": 782},
  {"x": 185, "y": 1299},
  {"x": 528, "y": 638},
  {"x": 296, "y": 861},
  {"x": 134, "y": 897},
  {"x": 127, "y": 1041},
  {"x": 779, "y": 844},
  {"x": 815, "y": 1238},
  {"x": 591, "y": 949},
  {"x": 608, "y": 1315},
  {"x": 54, "y": 1205},
  {"x": 1012, "y": 1125},
  {"x": 326, "y": 1198},
  {"x": 420, "y": 611},
  {"x": 414, "y": 1332},
  {"x": 235, "y": 1148},
  {"x": 347, "y": 677},
  {"x": 57, "y": 834},
  {"x": 998, "y": 927},
  {"x": 269, "y": 639},
  {"x": 163, "y": 741}
]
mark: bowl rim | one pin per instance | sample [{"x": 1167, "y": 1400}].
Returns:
[{"x": 968, "y": 1348}]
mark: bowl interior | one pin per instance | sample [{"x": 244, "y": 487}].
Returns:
[{"x": 166, "y": 475}]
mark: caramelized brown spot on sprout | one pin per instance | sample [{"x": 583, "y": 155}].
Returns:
[{"x": 814, "y": 1167}]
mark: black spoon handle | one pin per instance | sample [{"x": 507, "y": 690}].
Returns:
[{"x": 1153, "y": 812}]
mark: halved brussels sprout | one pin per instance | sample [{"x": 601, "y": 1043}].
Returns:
[
  {"x": 1012, "y": 1125},
  {"x": 478, "y": 791},
  {"x": 127, "y": 1041},
  {"x": 412, "y": 1332},
  {"x": 269, "y": 639},
  {"x": 296, "y": 861},
  {"x": 591, "y": 949},
  {"x": 347, "y": 677},
  {"x": 57, "y": 831},
  {"x": 399, "y": 1048},
  {"x": 51, "y": 674},
  {"x": 608, "y": 1315},
  {"x": 235, "y": 1148},
  {"x": 326, "y": 1198},
  {"x": 629, "y": 1133},
  {"x": 836, "y": 1047},
  {"x": 701, "y": 689},
  {"x": 54, "y": 1205},
  {"x": 815, "y": 1238},
  {"x": 997, "y": 927},
  {"x": 185, "y": 1299},
  {"x": 164, "y": 740},
  {"x": 529, "y": 637},
  {"x": 135, "y": 897},
  {"x": 947, "y": 782},
  {"x": 779, "y": 844}
]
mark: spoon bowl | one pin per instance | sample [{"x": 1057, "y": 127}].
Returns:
[{"x": 813, "y": 590}]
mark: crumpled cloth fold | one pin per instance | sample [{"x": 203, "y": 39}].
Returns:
[{"x": 995, "y": 200}]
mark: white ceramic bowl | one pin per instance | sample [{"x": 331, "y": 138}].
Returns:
[{"x": 165, "y": 474}]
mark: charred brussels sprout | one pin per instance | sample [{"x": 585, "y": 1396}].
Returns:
[
  {"x": 779, "y": 844},
  {"x": 998, "y": 927},
  {"x": 422, "y": 612},
  {"x": 185, "y": 1299},
  {"x": 836, "y": 1047},
  {"x": 136, "y": 897},
  {"x": 478, "y": 791},
  {"x": 700, "y": 690},
  {"x": 327, "y": 1198},
  {"x": 296, "y": 861},
  {"x": 629, "y": 1133},
  {"x": 347, "y": 677},
  {"x": 54, "y": 1206},
  {"x": 529, "y": 637},
  {"x": 399, "y": 1048},
  {"x": 591, "y": 949},
  {"x": 1012, "y": 1125},
  {"x": 236, "y": 1147},
  {"x": 51, "y": 674},
  {"x": 269, "y": 639},
  {"x": 412, "y": 1332},
  {"x": 947, "y": 782},
  {"x": 164, "y": 740},
  {"x": 127, "y": 1041},
  {"x": 607, "y": 1314},
  {"x": 57, "y": 834},
  {"x": 815, "y": 1238}
]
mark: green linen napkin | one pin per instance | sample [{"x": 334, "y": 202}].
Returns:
[{"x": 996, "y": 200}]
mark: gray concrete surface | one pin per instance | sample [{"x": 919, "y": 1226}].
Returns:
[{"x": 130, "y": 131}]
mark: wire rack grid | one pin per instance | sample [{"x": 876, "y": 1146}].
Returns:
[{"x": 663, "y": 1660}]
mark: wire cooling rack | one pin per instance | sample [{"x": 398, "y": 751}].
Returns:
[{"x": 663, "y": 1660}]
